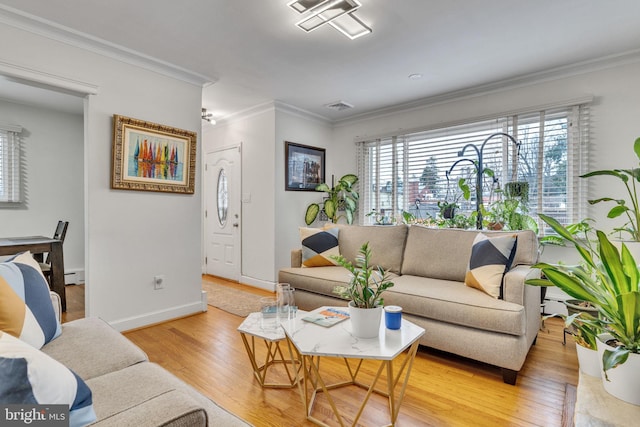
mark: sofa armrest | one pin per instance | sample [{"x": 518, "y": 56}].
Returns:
[
  {"x": 296, "y": 258},
  {"x": 57, "y": 305},
  {"x": 514, "y": 283}
]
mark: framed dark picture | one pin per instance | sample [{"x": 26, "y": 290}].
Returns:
[{"x": 305, "y": 167}]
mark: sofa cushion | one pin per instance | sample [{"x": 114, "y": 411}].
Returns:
[
  {"x": 29, "y": 376},
  {"x": 453, "y": 302},
  {"x": 146, "y": 394},
  {"x": 319, "y": 280},
  {"x": 91, "y": 348},
  {"x": 318, "y": 245},
  {"x": 490, "y": 259},
  {"x": 386, "y": 243},
  {"x": 437, "y": 253},
  {"x": 26, "y": 311},
  {"x": 443, "y": 253}
]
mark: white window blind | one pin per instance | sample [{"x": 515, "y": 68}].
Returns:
[
  {"x": 9, "y": 166},
  {"x": 409, "y": 172}
]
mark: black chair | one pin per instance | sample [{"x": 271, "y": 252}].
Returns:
[{"x": 59, "y": 234}]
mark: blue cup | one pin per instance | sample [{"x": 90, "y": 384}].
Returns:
[{"x": 393, "y": 316}]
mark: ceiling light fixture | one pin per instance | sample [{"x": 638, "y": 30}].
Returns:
[
  {"x": 208, "y": 116},
  {"x": 337, "y": 13}
]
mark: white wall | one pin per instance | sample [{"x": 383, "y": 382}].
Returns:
[
  {"x": 256, "y": 133},
  {"x": 291, "y": 205},
  {"x": 53, "y": 155},
  {"x": 130, "y": 235}
]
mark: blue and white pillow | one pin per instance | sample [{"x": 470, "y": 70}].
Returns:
[
  {"x": 29, "y": 376},
  {"x": 26, "y": 310}
]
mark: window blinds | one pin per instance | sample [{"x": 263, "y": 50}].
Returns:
[
  {"x": 9, "y": 167},
  {"x": 413, "y": 172}
]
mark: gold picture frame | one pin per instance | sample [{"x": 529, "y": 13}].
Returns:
[{"x": 148, "y": 156}]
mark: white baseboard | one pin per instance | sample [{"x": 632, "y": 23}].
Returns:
[
  {"x": 74, "y": 276},
  {"x": 262, "y": 284},
  {"x": 156, "y": 316}
]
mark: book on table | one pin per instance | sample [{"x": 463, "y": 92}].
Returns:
[{"x": 327, "y": 316}]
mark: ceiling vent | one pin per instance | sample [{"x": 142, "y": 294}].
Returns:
[{"x": 339, "y": 105}]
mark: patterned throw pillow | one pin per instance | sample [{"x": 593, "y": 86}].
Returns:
[
  {"x": 29, "y": 376},
  {"x": 318, "y": 245},
  {"x": 26, "y": 310},
  {"x": 491, "y": 258}
]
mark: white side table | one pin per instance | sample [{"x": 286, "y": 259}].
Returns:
[
  {"x": 312, "y": 342},
  {"x": 250, "y": 329}
]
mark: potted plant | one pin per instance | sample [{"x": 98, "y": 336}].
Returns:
[
  {"x": 364, "y": 292},
  {"x": 629, "y": 208},
  {"x": 584, "y": 329},
  {"x": 509, "y": 213},
  {"x": 341, "y": 196},
  {"x": 608, "y": 279},
  {"x": 448, "y": 208}
]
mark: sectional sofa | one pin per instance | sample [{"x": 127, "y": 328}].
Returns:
[
  {"x": 428, "y": 267},
  {"x": 103, "y": 378}
]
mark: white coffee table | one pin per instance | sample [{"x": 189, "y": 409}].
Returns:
[
  {"x": 250, "y": 329},
  {"x": 311, "y": 342}
]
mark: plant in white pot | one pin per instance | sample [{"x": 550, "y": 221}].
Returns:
[
  {"x": 364, "y": 292},
  {"x": 610, "y": 280},
  {"x": 585, "y": 330}
]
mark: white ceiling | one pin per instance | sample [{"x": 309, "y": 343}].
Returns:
[{"x": 256, "y": 54}]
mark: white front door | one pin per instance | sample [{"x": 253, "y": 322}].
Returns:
[{"x": 223, "y": 220}]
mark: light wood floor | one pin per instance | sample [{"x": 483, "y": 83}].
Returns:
[{"x": 206, "y": 351}]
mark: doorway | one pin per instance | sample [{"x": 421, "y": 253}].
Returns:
[{"x": 223, "y": 232}]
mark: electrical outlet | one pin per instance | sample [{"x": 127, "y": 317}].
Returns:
[{"x": 158, "y": 282}]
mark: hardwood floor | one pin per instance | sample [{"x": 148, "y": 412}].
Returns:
[{"x": 206, "y": 351}]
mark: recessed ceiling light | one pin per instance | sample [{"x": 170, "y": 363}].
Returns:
[{"x": 415, "y": 76}]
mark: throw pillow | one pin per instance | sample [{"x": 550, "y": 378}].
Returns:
[
  {"x": 318, "y": 245},
  {"x": 491, "y": 258},
  {"x": 29, "y": 376},
  {"x": 26, "y": 310}
]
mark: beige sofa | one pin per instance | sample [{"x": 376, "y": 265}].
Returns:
[
  {"x": 127, "y": 389},
  {"x": 428, "y": 267}
]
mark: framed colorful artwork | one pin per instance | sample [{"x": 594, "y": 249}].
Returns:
[
  {"x": 305, "y": 167},
  {"x": 152, "y": 157}
]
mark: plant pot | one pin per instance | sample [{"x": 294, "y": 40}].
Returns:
[
  {"x": 589, "y": 361},
  {"x": 365, "y": 322},
  {"x": 624, "y": 379},
  {"x": 449, "y": 212}
]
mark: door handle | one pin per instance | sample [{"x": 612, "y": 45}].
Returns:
[{"x": 235, "y": 224}]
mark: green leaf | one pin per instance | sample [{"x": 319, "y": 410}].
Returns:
[
  {"x": 611, "y": 359},
  {"x": 312, "y": 213},
  {"x": 330, "y": 209},
  {"x": 350, "y": 178},
  {"x": 617, "y": 211},
  {"x": 323, "y": 187},
  {"x": 569, "y": 284},
  {"x": 557, "y": 227},
  {"x": 636, "y": 148},
  {"x": 615, "y": 173},
  {"x": 349, "y": 215}
]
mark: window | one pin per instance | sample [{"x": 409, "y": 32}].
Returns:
[
  {"x": 9, "y": 165},
  {"x": 414, "y": 171}
]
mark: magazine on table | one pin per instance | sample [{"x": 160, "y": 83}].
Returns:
[{"x": 327, "y": 316}]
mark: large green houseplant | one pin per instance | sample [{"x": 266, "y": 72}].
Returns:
[
  {"x": 606, "y": 278},
  {"x": 627, "y": 208},
  {"x": 367, "y": 282},
  {"x": 342, "y": 195}
]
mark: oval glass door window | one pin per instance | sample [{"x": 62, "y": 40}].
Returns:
[{"x": 223, "y": 198}]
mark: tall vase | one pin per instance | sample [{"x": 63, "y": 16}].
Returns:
[
  {"x": 624, "y": 379},
  {"x": 365, "y": 322}
]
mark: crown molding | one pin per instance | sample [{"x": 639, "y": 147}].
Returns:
[
  {"x": 299, "y": 112},
  {"x": 603, "y": 63},
  {"x": 45, "y": 28}
]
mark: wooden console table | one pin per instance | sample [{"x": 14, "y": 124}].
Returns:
[{"x": 38, "y": 245}]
